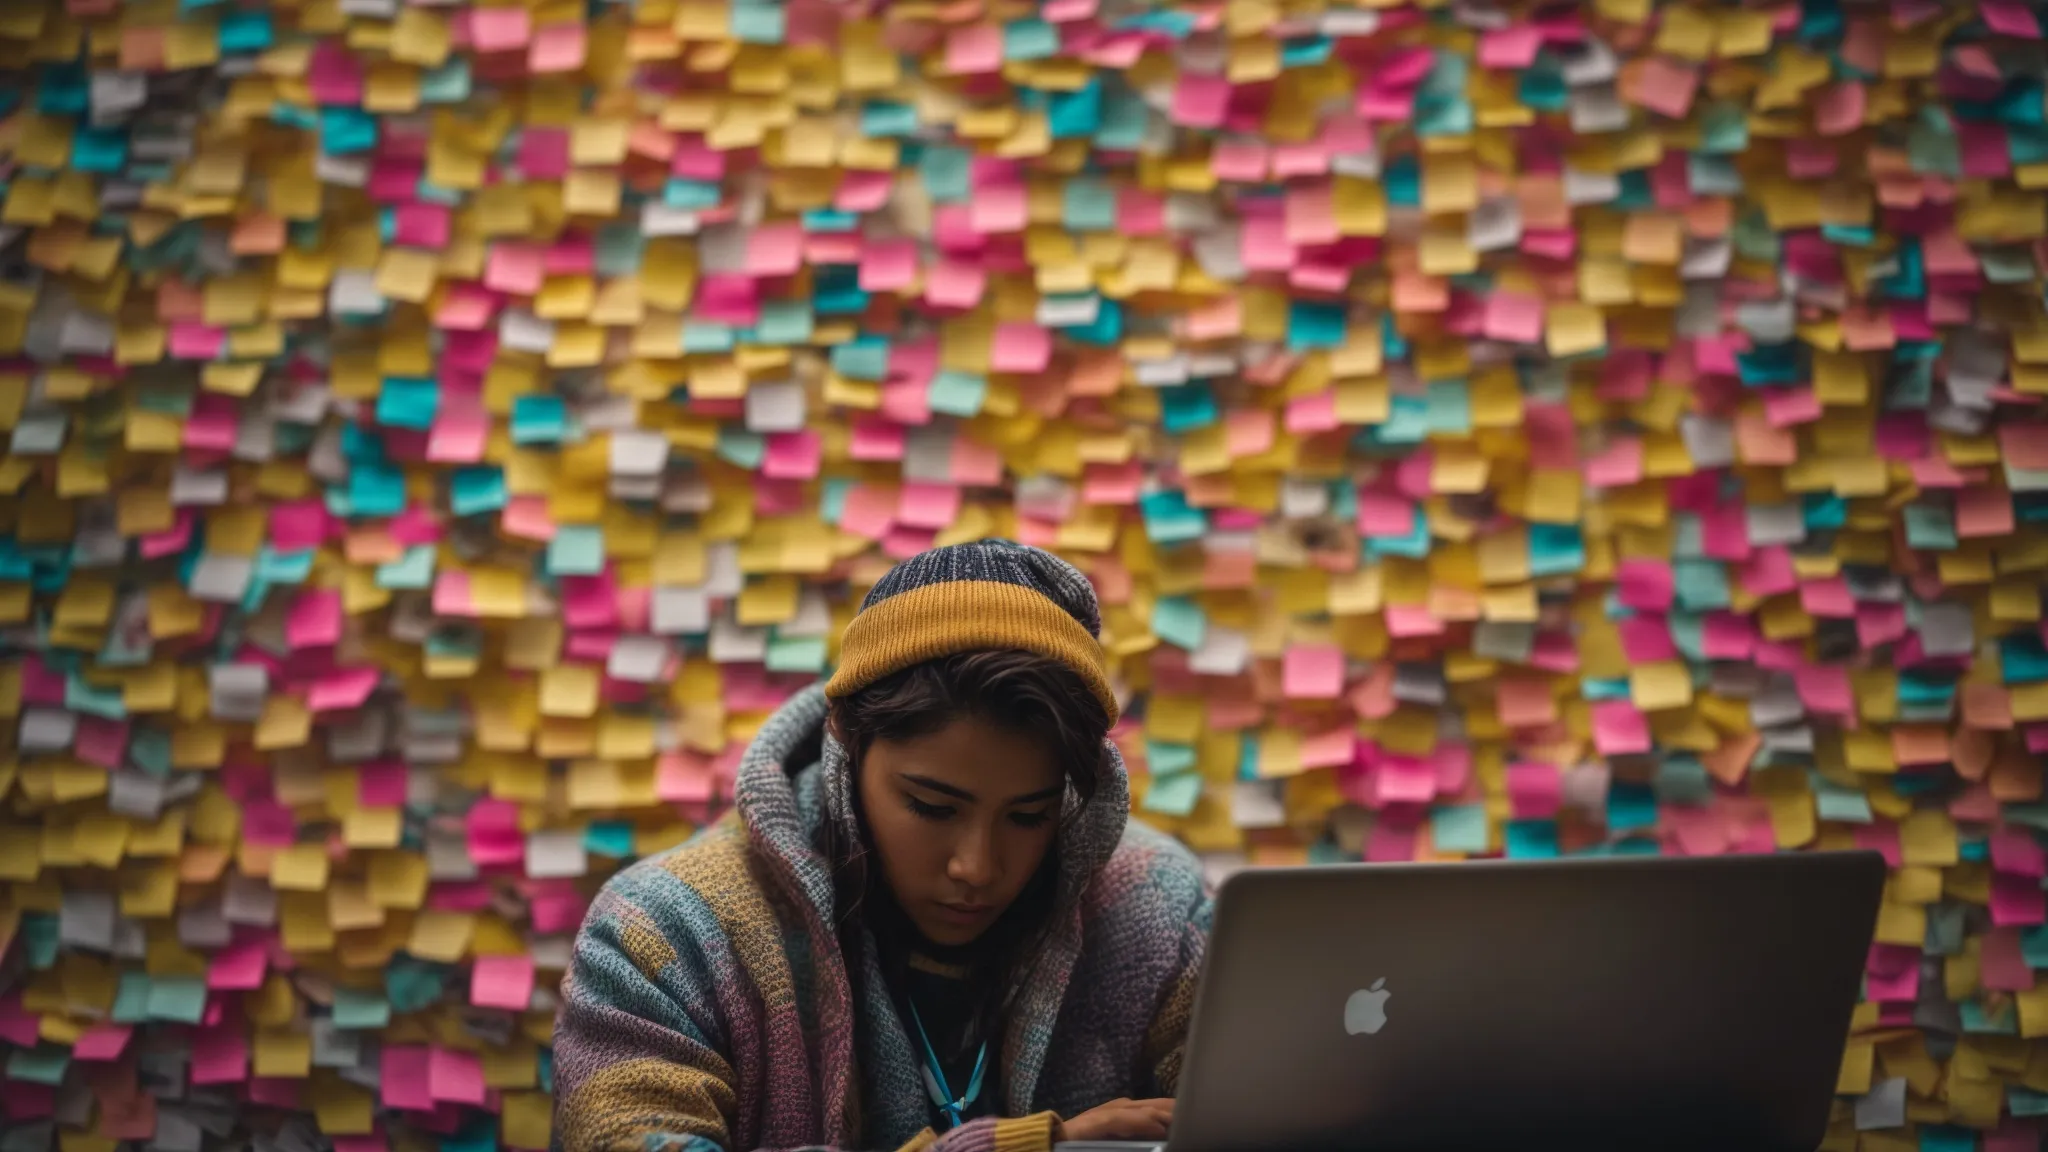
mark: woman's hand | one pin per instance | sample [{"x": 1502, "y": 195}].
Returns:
[{"x": 1119, "y": 1120}]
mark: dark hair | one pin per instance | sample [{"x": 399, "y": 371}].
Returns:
[{"x": 1016, "y": 691}]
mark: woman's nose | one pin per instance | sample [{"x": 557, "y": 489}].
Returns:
[{"x": 973, "y": 862}]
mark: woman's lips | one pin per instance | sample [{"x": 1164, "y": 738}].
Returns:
[{"x": 963, "y": 913}]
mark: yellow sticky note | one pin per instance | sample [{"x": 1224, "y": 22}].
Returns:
[{"x": 1659, "y": 685}]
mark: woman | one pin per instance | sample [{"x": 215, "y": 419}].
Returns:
[{"x": 927, "y": 925}]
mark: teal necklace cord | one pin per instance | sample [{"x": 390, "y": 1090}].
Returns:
[{"x": 954, "y": 1109}]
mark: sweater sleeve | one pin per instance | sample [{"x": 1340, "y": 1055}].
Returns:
[
  {"x": 640, "y": 1052},
  {"x": 1166, "y": 1040}
]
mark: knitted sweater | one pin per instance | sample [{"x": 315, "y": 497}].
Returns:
[{"x": 708, "y": 1007}]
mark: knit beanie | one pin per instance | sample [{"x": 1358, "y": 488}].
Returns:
[{"x": 987, "y": 594}]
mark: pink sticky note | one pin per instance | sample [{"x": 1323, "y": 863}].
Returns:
[
  {"x": 1200, "y": 101},
  {"x": 514, "y": 268},
  {"x": 999, "y": 208},
  {"x": 1514, "y": 318},
  {"x": 976, "y": 48},
  {"x": 500, "y": 29},
  {"x": 886, "y": 265},
  {"x": 1618, "y": 729},
  {"x": 1839, "y": 110},
  {"x": 219, "y": 1056},
  {"x": 102, "y": 1042},
  {"x": 240, "y": 966},
  {"x": 1512, "y": 47},
  {"x": 2014, "y": 850},
  {"x": 457, "y": 1077},
  {"x": 928, "y": 505},
  {"x": 1313, "y": 672},
  {"x": 558, "y": 48},
  {"x": 502, "y": 982},
  {"x": 2003, "y": 964},
  {"x": 792, "y": 455},
  {"x": 775, "y": 249},
  {"x": 2010, "y": 19},
  {"x": 1021, "y": 347},
  {"x": 1535, "y": 791},
  {"x": 315, "y": 619},
  {"x": 402, "y": 1077},
  {"x": 1667, "y": 86},
  {"x": 2017, "y": 901},
  {"x": 342, "y": 688},
  {"x": 954, "y": 284},
  {"x": 421, "y": 225}
]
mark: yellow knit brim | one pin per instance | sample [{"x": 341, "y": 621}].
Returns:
[{"x": 937, "y": 620}]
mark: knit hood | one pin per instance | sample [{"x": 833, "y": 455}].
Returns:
[{"x": 784, "y": 797}]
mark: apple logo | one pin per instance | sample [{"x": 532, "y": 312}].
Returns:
[{"x": 1366, "y": 1011}]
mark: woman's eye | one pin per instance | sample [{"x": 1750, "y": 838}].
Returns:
[
  {"x": 924, "y": 811},
  {"x": 1030, "y": 819}
]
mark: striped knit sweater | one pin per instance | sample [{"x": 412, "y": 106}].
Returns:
[{"x": 708, "y": 1006}]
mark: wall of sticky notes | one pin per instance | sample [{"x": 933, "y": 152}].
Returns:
[{"x": 438, "y": 433}]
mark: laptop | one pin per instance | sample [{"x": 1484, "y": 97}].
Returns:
[{"x": 1685, "y": 1005}]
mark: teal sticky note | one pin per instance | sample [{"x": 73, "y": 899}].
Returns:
[
  {"x": 1683, "y": 780},
  {"x": 796, "y": 654},
  {"x": 699, "y": 336},
  {"x": 99, "y": 149},
  {"x": 945, "y": 171},
  {"x": 613, "y": 838},
  {"x": 453, "y": 643},
  {"x": 1169, "y": 519},
  {"x": 1314, "y": 324},
  {"x": 2022, "y": 659},
  {"x": 150, "y": 750},
  {"x": 105, "y": 701},
  {"x": 741, "y": 448},
  {"x": 862, "y": 358},
  {"x": 408, "y": 402},
  {"x": 887, "y": 118},
  {"x": 759, "y": 22},
  {"x": 414, "y": 570},
  {"x": 40, "y": 938},
  {"x": 1186, "y": 408},
  {"x": 539, "y": 420},
  {"x": 357, "y": 1009},
  {"x": 2003, "y": 1021},
  {"x": 131, "y": 999},
  {"x": 1947, "y": 1138},
  {"x": 1173, "y": 795},
  {"x": 1030, "y": 40},
  {"x": 478, "y": 489},
  {"x": 576, "y": 550},
  {"x": 2034, "y": 945},
  {"x": 1167, "y": 759},
  {"x": 246, "y": 31},
  {"x": 1450, "y": 407},
  {"x": 375, "y": 490},
  {"x": 1124, "y": 122},
  {"x": 957, "y": 393},
  {"x": 1930, "y": 527},
  {"x": 1556, "y": 549},
  {"x": 1701, "y": 585},
  {"x": 42, "y": 1064},
  {"x": 1531, "y": 839},
  {"x": 2025, "y": 1101},
  {"x": 1075, "y": 115},
  {"x": 412, "y": 984},
  {"x": 447, "y": 83},
  {"x": 1845, "y": 805},
  {"x": 1180, "y": 622},
  {"x": 1458, "y": 828},
  {"x": 784, "y": 322},
  {"x": 177, "y": 998},
  {"x": 1088, "y": 205}
]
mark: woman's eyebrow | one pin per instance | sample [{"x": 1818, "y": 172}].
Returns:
[
  {"x": 937, "y": 786},
  {"x": 1041, "y": 794}
]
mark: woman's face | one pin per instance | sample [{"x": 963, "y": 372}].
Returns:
[{"x": 961, "y": 819}]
